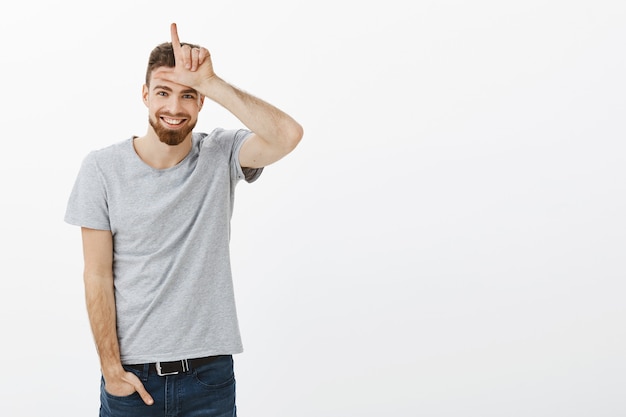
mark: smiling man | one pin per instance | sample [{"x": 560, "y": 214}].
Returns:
[{"x": 155, "y": 213}]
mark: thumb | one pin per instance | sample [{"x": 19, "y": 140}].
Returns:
[{"x": 141, "y": 390}]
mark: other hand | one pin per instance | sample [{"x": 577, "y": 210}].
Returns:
[{"x": 125, "y": 385}]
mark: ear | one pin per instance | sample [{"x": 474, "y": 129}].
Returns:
[
  {"x": 200, "y": 102},
  {"x": 144, "y": 93}
]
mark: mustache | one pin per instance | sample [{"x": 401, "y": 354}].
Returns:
[{"x": 174, "y": 116}]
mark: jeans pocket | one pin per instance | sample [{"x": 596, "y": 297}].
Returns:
[
  {"x": 217, "y": 374},
  {"x": 111, "y": 400}
]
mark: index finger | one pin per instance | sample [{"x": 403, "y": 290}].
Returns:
[{"x": 175, "y": 41}]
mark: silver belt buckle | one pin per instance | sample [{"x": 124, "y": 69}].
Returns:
[{"x": 184, "y": 363}]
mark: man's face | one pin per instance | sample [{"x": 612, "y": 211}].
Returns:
[{"x": 173, "y": 108}]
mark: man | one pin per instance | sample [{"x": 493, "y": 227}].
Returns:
[{"x": 155, "y": 217}]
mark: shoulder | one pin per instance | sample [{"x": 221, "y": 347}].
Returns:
[
  {"x": 100, "y": 161},
  {"x": 109, "y": 154},
  {"x": 226, "y": 138}
]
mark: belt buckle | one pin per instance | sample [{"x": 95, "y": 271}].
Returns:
[{"x": 184, "y": 366}]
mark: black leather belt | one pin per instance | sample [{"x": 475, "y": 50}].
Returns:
[{"x": 175, "y": 367}]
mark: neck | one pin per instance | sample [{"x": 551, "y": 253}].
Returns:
[{"x": 159, "y": 155}]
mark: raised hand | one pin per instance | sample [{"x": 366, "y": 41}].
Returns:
[{"x": 193, "y": 64}]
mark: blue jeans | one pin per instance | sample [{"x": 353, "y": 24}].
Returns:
[{"x": 207, "y": 391}]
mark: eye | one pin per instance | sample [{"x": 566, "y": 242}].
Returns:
[
  {"x": 161, "y": 93},
  {"x": 189, "y": 96}
]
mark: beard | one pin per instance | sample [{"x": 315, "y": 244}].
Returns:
[{"x": 171, "y": 137}]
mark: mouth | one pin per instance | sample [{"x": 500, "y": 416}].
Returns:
[{"x": 172, "y": 122}]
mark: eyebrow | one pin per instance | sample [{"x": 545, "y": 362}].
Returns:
[
  {"x": 162, "y": 87},
  {"x": 166, "y": 88}
]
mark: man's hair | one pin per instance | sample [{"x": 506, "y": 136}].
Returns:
[{"x": 162, "y": 56}]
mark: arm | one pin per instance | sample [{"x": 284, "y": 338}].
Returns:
[
  {"x": 275, "y": 134},
  {"x": 100, "y": 299}
]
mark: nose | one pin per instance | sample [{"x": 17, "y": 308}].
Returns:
[{"x": 174, "y": 105}]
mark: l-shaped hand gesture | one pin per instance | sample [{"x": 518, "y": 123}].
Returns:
[{"x": 193, "y": 64}]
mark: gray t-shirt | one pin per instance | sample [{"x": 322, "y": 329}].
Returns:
[{"x": 171, "y": 233}]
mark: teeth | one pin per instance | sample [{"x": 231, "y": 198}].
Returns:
[{"x": 172, "y": 121}]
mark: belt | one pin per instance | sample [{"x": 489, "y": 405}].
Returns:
[{"x": 175, "y": 367}]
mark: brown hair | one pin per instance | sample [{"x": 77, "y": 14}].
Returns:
[{"x": 162, "y": 56}]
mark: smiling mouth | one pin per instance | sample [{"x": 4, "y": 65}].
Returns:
[{"x": 172, "y": 122}]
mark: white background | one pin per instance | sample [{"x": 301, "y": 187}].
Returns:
[{"x": 447, "y": 240}]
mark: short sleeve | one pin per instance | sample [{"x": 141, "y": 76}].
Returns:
[
  {"x": 87, "y": 205},
  {"x": 249, "y": 174}
]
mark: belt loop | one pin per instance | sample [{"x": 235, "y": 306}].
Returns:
[{"x": 145, "y": 372}]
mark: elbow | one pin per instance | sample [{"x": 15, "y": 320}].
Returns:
[{"x": 293, "y": 137}]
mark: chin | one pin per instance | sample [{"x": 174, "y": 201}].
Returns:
[{"x": 171, "y": 137}]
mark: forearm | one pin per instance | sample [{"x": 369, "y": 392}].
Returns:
[
  {"x": 100, "y": 299},
  {"x": 266, "y": 121}
]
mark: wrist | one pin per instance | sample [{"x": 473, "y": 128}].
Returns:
[
  {"x": 112, "y": 370},
  {"x": 214, "y": 88}
]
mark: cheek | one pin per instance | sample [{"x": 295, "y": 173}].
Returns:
[{"x": 193, "y": 109}]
